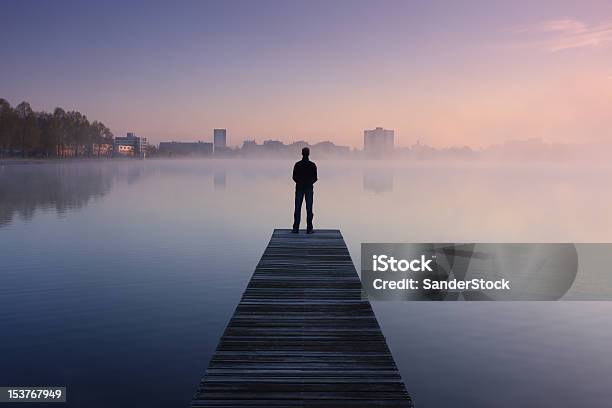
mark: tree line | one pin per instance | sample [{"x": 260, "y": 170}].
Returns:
[{"x": 26, "y": 133}]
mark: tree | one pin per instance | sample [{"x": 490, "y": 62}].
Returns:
[
  {"x": 100, "y": 135},
  {"x": 27, "y": 131},
  {"x": 46, "y": 134},
  {"x": 45, "y": 125},
  {"x": 152, "y": 150},
  {"x": 77, "y": 125},
  {"x": 8, "y": 121},
  {"x": 58, "y": 130}
]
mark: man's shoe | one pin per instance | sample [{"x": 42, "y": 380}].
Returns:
[
  {"x": 294, "y": 231},
  {"x": 310, "y": 231}
]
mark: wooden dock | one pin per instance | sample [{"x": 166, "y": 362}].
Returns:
[{"x": 302, "y": 336}]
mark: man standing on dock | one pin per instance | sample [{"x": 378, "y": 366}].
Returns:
[{"x": 304, "y": 175}]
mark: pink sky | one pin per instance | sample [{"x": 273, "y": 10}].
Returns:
[{"x": 443, "y": 73}]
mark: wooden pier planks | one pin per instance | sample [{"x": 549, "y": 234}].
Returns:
[{"x": 302, "y": 336}]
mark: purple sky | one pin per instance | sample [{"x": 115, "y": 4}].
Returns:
[{"x": 469, "y": 72}]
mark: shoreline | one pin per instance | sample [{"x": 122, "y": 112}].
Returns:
[
  {"x": 15, "y": 161},
  {"x": 28, "y": 160}
]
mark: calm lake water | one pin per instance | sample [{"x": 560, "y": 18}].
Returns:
[{"x": 118, "y": 277}]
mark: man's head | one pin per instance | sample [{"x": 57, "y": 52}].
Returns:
[{"x": 305, "y": 152}]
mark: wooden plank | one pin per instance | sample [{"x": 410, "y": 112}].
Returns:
[{"x": 302, "y": 336}]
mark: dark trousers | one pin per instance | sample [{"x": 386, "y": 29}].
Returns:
[{"x": 299, "y": 197}]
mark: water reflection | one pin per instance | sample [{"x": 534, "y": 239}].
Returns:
[
  {"x": 378, "y": 180},
  {"x": 154, "y": 255},
  {"x": 219, "y": 179},
  {"x": 410, "y": 202},
  {"x": 65, "y": 187},
  {"x": 26, "y": 189}
]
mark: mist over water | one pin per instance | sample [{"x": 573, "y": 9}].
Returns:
[{"x": 118, "y": 277}]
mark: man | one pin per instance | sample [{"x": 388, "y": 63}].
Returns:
[{"x": 304, "y": 175}]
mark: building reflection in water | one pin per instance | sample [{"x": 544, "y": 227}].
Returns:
[
  {"x": 219, "y": 179},
  {"x": 378, "y": 180}
]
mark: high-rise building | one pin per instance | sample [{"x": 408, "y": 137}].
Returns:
[
  {"x": 378, "y": 142},
  {"x": 220, "y": 140}
]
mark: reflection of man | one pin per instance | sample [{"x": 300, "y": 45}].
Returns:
[{"x": 304, "y": 175}]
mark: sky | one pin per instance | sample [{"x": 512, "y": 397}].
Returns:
[{"x": 440, "y": 72}]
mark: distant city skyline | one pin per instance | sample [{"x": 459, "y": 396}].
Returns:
[{"x": 445, "y": 73}]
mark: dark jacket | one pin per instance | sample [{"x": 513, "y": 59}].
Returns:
[{"x": 304, "y": 175}]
